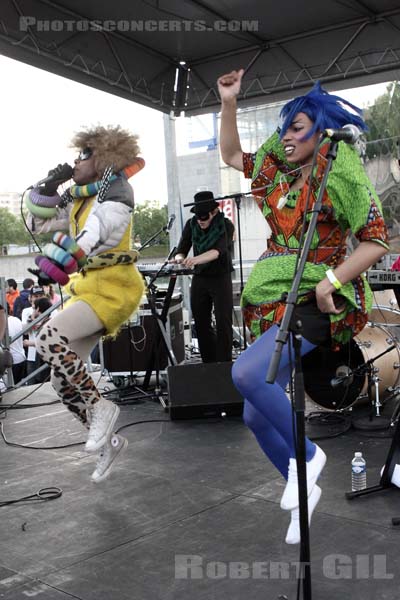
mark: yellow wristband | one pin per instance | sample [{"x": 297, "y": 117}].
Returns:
[{"x": 333, "y": 279}]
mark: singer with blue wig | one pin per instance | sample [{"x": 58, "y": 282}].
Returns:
[
  {"x": 334, "y": 297},
  {"x": 91, "y": 256}
]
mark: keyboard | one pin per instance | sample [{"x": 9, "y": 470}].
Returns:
[
  {"x": 383, "y": 277},
  {"x": 169, "y": 270}
]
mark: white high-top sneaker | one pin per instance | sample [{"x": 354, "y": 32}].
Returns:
[
  {"x": 103, "y": 416},
  {"x": 113, "y": 448}
]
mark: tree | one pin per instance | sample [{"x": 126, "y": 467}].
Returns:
[
  {"x": 383, "y": 120},
  {"x": 147, "y": 220},
  {"x": 13, "y": 231}
]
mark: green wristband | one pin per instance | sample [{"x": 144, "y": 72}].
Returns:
[{"x": 333, "y": 279}]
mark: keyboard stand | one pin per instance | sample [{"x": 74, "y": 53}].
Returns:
[{"x": 160, "y": 336}]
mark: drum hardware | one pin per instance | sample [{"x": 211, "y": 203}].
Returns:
[
  {"x": 325, "y": 370},
  {"x": 372, "y": 371},
  {"x": 395, "y": 393},
  {"x": 366, "y": 344},
  {"x": 396, "y": 413},
  {"x": 390, "y": 463}
]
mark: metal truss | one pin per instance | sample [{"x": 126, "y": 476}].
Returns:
[{"x": 351, "y": 62}]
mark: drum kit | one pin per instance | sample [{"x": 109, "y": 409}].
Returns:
[{"x": 367, "y": 370}]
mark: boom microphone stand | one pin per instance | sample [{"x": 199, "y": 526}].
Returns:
[{"x": 299, "y": 392}]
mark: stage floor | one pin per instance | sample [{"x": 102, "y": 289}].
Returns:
[{"x": 190, "y": 512}]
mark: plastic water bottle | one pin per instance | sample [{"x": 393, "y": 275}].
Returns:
[{"x": 358, "y": 472}]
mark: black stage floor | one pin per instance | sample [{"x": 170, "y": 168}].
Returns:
[{"x": 191, "y": 512}]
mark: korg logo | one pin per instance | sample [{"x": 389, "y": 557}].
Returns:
[{"x": 387, "y": 277}]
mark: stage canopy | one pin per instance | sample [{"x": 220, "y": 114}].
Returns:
[{"x": 167, "y": 54}]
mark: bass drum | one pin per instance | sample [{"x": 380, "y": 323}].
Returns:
[{"x": 322, "y": 365}]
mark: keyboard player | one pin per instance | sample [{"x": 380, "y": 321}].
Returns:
[{"x": 210, "y": 234}]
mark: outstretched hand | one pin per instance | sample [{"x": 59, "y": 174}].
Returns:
[{"x": 229, "y": 84}]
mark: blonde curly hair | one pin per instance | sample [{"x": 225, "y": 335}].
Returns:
[{"x": 111, "y": 146}]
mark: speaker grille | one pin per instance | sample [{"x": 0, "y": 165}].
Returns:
[{"x": 202, "y": 390}]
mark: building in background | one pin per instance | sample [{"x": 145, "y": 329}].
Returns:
[
  {"x": 200, "y": 167},
  {"x": 11, "y": 201}
]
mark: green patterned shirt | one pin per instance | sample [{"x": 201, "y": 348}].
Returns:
[{"x": 350, "y": 204}]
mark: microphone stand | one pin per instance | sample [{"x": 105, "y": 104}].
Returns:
[
  {"x": 238, "y": 200},
  {"x": 159, "y": 319},
  {"x": 147, "y": 243},
  {"x": 299, "y": 392}
]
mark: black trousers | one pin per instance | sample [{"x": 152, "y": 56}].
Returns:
[
  {"x": 207, "y": 292},
  {"x": 18, "y": 371}
]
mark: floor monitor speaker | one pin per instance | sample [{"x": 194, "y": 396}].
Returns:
[{"x": 202, "y": 390}]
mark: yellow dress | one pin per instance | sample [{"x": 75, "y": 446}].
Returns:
[{"x": 113, "y": 292}]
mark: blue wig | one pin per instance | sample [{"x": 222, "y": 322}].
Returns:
[{"x": 323, "y": 109}]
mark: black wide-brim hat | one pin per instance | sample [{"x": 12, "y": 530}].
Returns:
[{"x": 204, "y": 203}]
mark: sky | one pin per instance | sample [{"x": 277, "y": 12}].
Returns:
[{"x": 41, "y": 111}]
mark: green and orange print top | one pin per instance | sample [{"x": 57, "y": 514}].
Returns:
[{"x": 350, "y": 204}]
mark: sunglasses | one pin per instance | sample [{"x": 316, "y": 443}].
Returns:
[
  {"x": 85, "y": 154},
  {"x": 203, "y": 216}
]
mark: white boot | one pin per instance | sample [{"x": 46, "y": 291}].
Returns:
[
  {"x": 103, "y": 416},
  {"x": 293, "y": 533}
]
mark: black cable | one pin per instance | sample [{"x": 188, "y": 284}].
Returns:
[
  {"x": 17, "y": 407},
  {"x": 324, "y": 418},
  {"x": 25, "y": 223},
  {"x": 144, "y": 421},
  {"x": 43, "y": 495},
  {"x": 5, "y": 408},
  {"x": 15, "y": 445}
]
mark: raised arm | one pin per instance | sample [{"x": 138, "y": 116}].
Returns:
[{"x": 231, "y": 149}]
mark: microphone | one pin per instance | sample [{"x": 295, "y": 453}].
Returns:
[
  {"x": 61, "y": 175},
  {"x": 338, "y": 381},
  {"x": 170, "y": 223},
  {"x": 344, "y": 376},
  {"x": 349, "y": 134}
]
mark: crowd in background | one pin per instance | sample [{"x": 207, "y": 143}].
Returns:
[{"x": 24, "y": 306}]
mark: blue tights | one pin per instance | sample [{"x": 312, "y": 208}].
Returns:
[{"x": 267, "y": 410}]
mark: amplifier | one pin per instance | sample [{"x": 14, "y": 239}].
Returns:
[
  {"x": 131, "y": 349},
  {"x": 202, "y": 390}
]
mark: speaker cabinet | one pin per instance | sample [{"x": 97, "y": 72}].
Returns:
[
  {"x": 202, "y": 390},
  {"x": 131, "y": 349}
]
